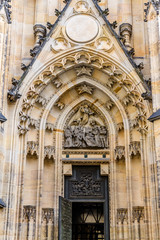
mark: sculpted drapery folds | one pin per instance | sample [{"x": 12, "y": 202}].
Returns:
[{"x": 86, "y": 130}]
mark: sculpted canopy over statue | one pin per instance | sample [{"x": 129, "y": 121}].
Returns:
[{"x": 86, "y": 130}]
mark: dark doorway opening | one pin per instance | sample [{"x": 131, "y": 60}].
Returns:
[{"x": 87, "y": 221}]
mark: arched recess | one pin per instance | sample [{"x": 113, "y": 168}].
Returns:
[{"x": 121, "y": 89}]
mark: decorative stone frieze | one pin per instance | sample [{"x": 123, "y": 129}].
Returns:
[
  {"x": 50, "y": 127},
  {"x": 48, "y": 215},
  {"x": 32, "y": 148},
  {"x": 120, "y": 152},
  {"x": 85, "y": 89},
  {"x": 134, "y": 148},
  {"x": 29, "y": 212},
  {"x": 122, "y": 215},
  {"x": 49, "y": 152},
  {"x": 138, "y": 214}
]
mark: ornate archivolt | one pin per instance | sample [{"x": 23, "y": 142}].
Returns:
[{"x": 84, "y": 65}]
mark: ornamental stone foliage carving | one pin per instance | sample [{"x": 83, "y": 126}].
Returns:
[
  {"x": 49, "y": 152},
  {"x": 122, "y": 215},
  {"x": 138, "y": 214},
  {"x": 32, "y": 148},
  {"x": 134, "y": 148},
  {"x": 109, "y": 104},
  {"x": 22, "y": 130},
  {"x": 120, "y": 126},
  {"x": 41, "y": 100},
  {"x": 48, "y": 215},
  {"x": 29, "y": 212},
  {"x": 50, "y": 127},
  {"x": 120, "y": 152},
  {"x": 57, "y": 83},
  {"x": 40, "y": 34},
  {"x": 33, "y": 123},
  {"x": 60, "y": 105},
  {"x": 86, "y": 130},
  {"x": 85, "y": 89},
  {"x": 84, "y": 71}
]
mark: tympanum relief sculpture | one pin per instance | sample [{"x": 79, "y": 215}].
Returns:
[{"x": 86, "y": 130}]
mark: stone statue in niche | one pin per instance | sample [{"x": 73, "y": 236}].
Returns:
[{"x": 86, "y": 130}]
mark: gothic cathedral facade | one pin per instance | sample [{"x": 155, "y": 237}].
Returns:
[{"x": 80, "y": 120}]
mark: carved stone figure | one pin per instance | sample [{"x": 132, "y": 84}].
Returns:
[{"x": 86, "y": 130}]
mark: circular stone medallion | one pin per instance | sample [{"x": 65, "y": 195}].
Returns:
[{"x": 82, "y": 28}]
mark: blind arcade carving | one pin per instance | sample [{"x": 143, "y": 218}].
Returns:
[{"x": 86, "y": 130}]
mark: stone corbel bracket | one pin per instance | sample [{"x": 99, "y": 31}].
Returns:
[{"x": 119, "y": 153}]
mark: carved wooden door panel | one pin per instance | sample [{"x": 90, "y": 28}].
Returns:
[{"x": 65, "y": 219}]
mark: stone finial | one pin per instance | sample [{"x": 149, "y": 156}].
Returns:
[
  {"x": 126, "y": 33},
  {"x": 40, "y": 34}
]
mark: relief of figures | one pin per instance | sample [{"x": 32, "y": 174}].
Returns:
[{"x": 86, "y": 130}]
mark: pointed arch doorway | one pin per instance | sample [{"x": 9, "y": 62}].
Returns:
[{"x": 84, "y": 212}]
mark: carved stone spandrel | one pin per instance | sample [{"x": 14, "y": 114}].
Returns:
[
  {"x": 49, "y": 152},
  {"x": 29, "y": 212},
  {"x": 138, "y": 213}
]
